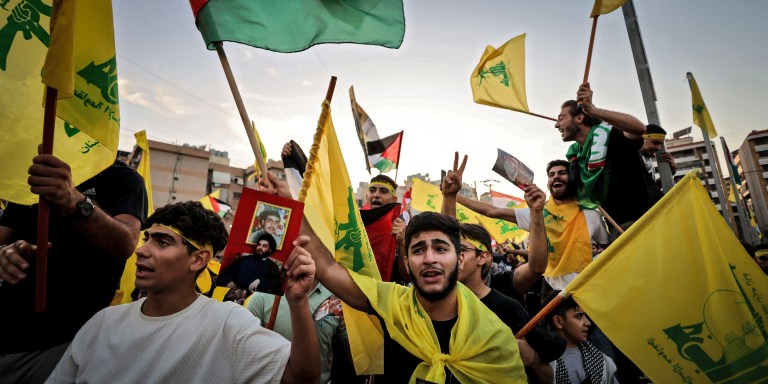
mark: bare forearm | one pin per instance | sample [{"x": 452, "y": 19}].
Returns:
[
  {"x": 304, "y": 361},
  {"x": 333, "y": 276},
  {"x": 537, "y": 243},
  {"x": 488, "y": 209},
  {"x": 115, "y": 235},
  {"x": 629, "y": 124},
  {"x": 449, "y": 205}
]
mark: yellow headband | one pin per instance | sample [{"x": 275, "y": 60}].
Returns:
[
  {"x": 387, "y": 186},
  {"x": 761, "y": 252},
  {"x": 655, "y": 136},
  {"x": 208, "y": 247},
  {"x": 476, "y": 243}
]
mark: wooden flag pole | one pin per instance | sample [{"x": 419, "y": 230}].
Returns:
[
  {"x": 43, "y": 210},
  {"x": 276, "y": 302},
  {"x": 589, "y": 52},
  {"x": 542, "y": 313},
  {"x": 542, "y": 116},
  {"x": 610, "y": 219},
  {"x": 241, "y": 108}
]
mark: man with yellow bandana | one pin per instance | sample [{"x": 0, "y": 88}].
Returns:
[
  {"x": 570, "y": 231},
  {"x": 176, "y": 335},
  {"x": 437, "y": 330}
]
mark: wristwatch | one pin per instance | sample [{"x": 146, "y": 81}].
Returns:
[{"x": 83, "y": 209}]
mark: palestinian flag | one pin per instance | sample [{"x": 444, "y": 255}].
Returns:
[
  {"x": 384, "y": 154},
  {"x": 378, "y": 226},
  {"x": 502, "y": 200},
  {"x": 213, "y": 203}
]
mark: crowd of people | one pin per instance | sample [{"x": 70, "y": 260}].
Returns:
[{"x": 449, "y": 308}]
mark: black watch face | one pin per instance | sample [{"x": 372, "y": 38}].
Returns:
[{"x": 86, "y": 208}]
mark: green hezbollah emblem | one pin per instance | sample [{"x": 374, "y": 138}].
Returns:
[
  {"x": 497, "y": 70},
  {"x": 431, "y": 201},
  {"x": 505, "y": 227},
  {"x": 353, "y": 237},
  {"x": 104, "y": 77},
  {"x": 24, "y": 19},
  {"x": 742, "y": 347}
]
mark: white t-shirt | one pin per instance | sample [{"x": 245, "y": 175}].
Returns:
[
  {"x": 595, "y": 227},
  {"x": 207, "y": 342}
]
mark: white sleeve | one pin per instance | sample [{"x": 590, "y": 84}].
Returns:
[
  {"x": 67, "y": 369},
  {"x": 523, "y": 217},
  {"x": 596, "y": 226},
  {"x": 257, "y": 354}
]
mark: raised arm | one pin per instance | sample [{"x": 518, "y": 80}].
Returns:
[
  {"x": 489, "y": 210},
  {"x": 630, "y": 125},
  {"x": 333, "y": 276},
  {"x": 451, "y": 185},
  {"x": 529, "y": 273},
  {"x": 304, "y": 361},
  {"x": 51, "y": 178}
]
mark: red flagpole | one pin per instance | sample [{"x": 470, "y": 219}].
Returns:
[{"x": 43, "y": 210}]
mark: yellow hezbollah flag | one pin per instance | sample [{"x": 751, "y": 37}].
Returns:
[
  {"x": 499, "y": 78},
  {"x": 603, "y": 7},
  {"x": 257, "y": 170},
  {"x": 426, "y": 197},
  {"x": 678, "y": 294},
  {"x": 701, "y": 116},
  {"x": 331, "y": 210},
  {"x": 140, "y": 162},
  {"x": 502, "y": 230},
  {"x": 80, "y": 141}
]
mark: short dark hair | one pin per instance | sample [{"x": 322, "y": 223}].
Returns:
[
  {"x": 561, "y": 308},
  {"x": 269, "y": 239},
  {"x": 574, "y": 110},
  {"x": 385, "y": 180},
  {"x": 196, "y": 223},
  {"x": 653, "y": 128},
  {"x": 268, "y": 212},
  {"x": 478, "y": 233},
  {"x": 432, "y": 221},
  {"x": 558, "y": 162}
]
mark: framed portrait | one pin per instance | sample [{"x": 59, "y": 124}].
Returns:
[{"x": 260, "y": 241}]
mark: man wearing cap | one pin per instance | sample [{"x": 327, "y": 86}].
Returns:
[{"x": 176, "y": 335}]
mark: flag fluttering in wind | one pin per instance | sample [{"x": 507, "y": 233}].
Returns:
[
  {"x": 86, "y": 135},
  {"x": 295, "y": 25},
  {"x": 499, "y": 78},
  {"x": 331, "y": 209},
  {"x": 212, "y": 202},
  {"x": 384, "y": 154},
  {"x": 701, "y": 116},
  {"x": 426, "y": 197},
  {"x": 679, "y": 295},
  {"x": 603, "y": 7}
]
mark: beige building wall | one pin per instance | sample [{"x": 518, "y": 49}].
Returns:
[{"x": 178, "y": 173}]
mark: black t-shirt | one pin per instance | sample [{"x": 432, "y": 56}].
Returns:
[
  {"x": 628, "y": 195},
  {"x": 509, "y": 310},
  {"x": 81, "y": 279},
  {"x": 399, "y": 364}
]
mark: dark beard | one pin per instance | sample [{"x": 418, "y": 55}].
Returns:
[{"x": 453, "y": 278}]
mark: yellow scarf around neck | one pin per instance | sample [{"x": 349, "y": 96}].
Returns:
[{"x": 483, "y": 348}]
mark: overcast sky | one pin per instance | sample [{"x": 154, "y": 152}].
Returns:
[{"x": 173, "y": 87}]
